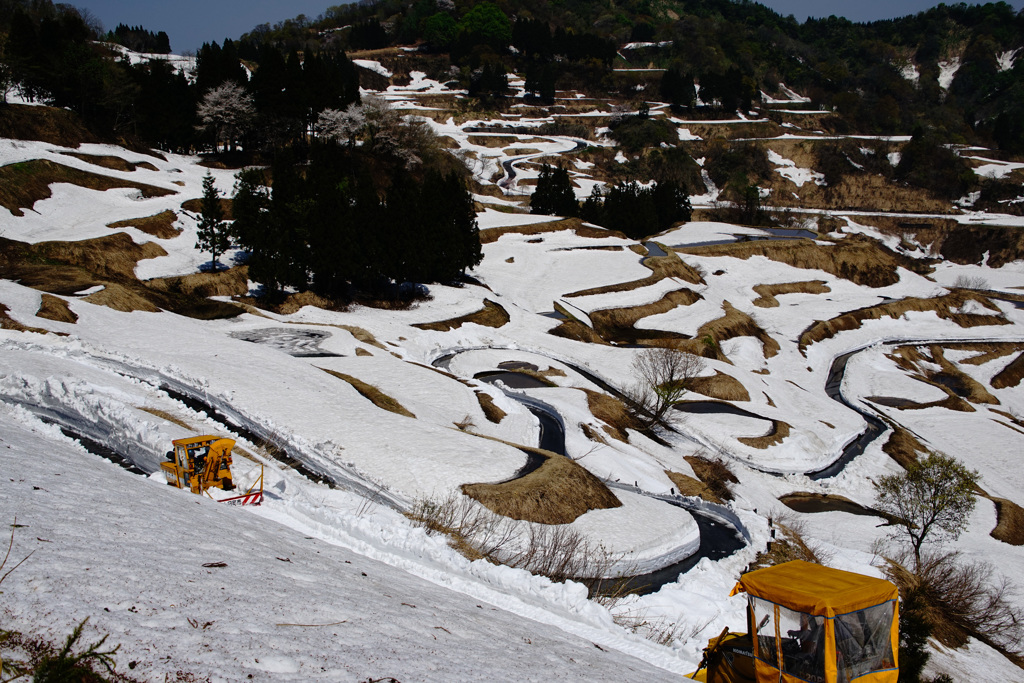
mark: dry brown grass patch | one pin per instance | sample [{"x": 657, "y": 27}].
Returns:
[
  {"x": 109, "y": 161},
  {"x": 121, "y": 298},
  {"x": 1009, "y": 522},
  {"x": 577, "y": 331},
  {"x": 53, "y": 308},
  {"x": 661, "y": 267},
  {"x": 9, "y": 323},
  {"x": 780, "y": 430},
  {"x": 65, "y": 268},
  {"x": 973, "y": 390},
  {"x": 160, "y": 226},
  {"x": 575, "y": 224},
  {"x": 492, "y": 412},
  {"x": 903, "y": 447},
  {"x": 714, "y": 474},
  {"x": 27, "y": 182},
  {"x": 232, "y": 282},
  {"x": 164, "y": 415},
  {"x": 557, "y": 492},
  {"x": 616, "y": 324},
  {"x": 612, "y": 412},
  {"x": 112, "y": 256},
  {"x": 48, "y": 124},
  {"x": 360, "y": 351},
  {"x": 736, "y": 323},
  {"x": 196, "y": 206},
  {"x": 372, "y": 393},
  {"x": 1011, "y": 375},
  {"x": 720, "y": 386},
  {"x": 987, "y": 352},
  {"x": 689, "y": 486},
  {"x": 491, "y": 315},
  {"x": 767, "y": 293},
  {"x": 943, "y": 306},
  {"x": 860, "y": 192},
  {"x": 859, "y": 259}
]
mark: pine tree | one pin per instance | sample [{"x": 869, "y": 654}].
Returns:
[
  {"x": 554, "y": 195},
  {"x": 212, "y": 235}
]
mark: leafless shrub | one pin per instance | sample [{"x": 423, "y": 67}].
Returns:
[
  {"x": 963, "y": 598},
  {"x": 663, "y": 375},
  {"x": 970, "y": 282},
  {"x": 555, "y": 551},
  {"x": 465, "y": 424},
  {"x": 790, "y": 543}
]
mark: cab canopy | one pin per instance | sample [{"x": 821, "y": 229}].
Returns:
[{"x": 817, "y": 624}]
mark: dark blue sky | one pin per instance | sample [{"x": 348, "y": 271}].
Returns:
[{"x": 190, "y": 23}]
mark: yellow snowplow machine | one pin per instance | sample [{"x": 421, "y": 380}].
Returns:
[
  {"x": 809, "y": 623},
  {"x": 200, "y": 463}
]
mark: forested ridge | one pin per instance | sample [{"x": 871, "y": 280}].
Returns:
[{"x": 286, "y": 97}]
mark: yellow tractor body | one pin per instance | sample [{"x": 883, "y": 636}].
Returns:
[
  {"x": 200, "y": 463},
  {"x": 809, "y": 623}
]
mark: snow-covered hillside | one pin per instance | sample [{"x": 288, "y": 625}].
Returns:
[{"x": 330, "y": 581}]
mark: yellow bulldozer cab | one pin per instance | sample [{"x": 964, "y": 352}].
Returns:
[
  {"x": 819, "y": 625},
  {"x": 200, "y": 463}
]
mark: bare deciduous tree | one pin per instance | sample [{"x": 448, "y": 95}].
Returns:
[
  {"x": 228, "y": 110},
  {"x": 663, "y": 375}
]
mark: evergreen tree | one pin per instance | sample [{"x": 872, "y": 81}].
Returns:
[
  {"x": 554, "y": 195},
  {"x": 671, "y": 203},
  {"x": 212, "y": 235}
]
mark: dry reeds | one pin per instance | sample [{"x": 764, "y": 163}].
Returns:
[
  {"x": 372, "y": 393},
  {"x": 491, "y": 315},
  {"x": 856, "y": 258},
  {"x": 160, "y": 225},
  {"x": 492, "y": 412},
  {"x": 613, "y": 413},
  {"x": 736, "y": 323},
  {"x": 780, "y": 430},
  {"x": 557, "y": 492},
  {"x": 53, "y": 308},
  {"x": 558, "y": 552},
  {"x": 575, "y": 224},
  {"x": 231, "y": 282},
  {"x": 720, "y": 386},
  {"x": 944, "y": 307},
  {"x": 27, "y": 182},
  {"x": 791, "y": 544},
  {"x": 767, "y": 293}
]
